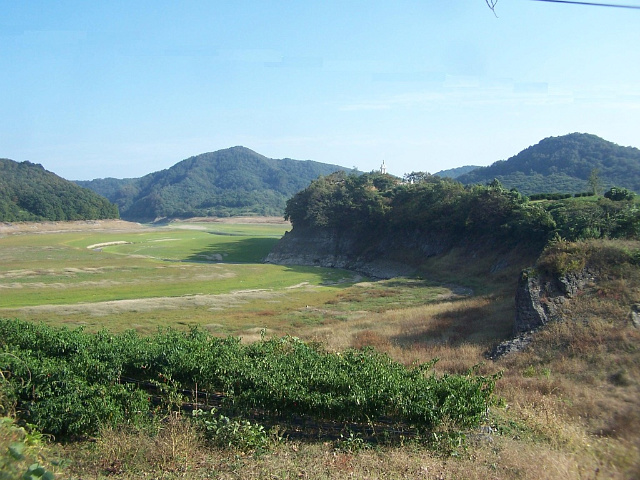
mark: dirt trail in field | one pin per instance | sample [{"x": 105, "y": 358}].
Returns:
[
  {"x": 99, "y": 309},
  {"x": 240, "y": 220}
]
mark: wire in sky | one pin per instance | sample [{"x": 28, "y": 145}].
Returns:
[{"x": 591, "y": 4}]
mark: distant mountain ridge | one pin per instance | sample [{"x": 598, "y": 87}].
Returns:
[
  {"x": 456, "y": 172},
  {"x": 229, "y": 182},
  {"x": 564, "y": 164},
  {"x": 28, "y": 192},
  {"x": 238, "y": 181}
]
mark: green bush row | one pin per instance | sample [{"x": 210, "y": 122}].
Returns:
[
  {"x": 68, "y": 382},
  {"x": 551, "y": 196}
]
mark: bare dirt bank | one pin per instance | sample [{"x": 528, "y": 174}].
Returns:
[{"x": 79, "y": 225}]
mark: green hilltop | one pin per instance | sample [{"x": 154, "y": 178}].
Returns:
[
  {"x": 456, "y": 172},
  {"x": 564, "y": 164},
  {"x": 231, "y": 182},
  {"x": 238, "y": 181},
  {"x": 28, "y": 192}
]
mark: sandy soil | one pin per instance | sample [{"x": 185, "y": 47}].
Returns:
[
  {"x": 76, "y": 226},
  {"x": 13, "y": 228}
]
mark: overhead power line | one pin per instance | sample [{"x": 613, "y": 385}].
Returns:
[{"x": 637, "y": 7}]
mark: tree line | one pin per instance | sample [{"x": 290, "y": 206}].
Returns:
[
  {"x": 374, "y": 204},
  {"x": 28, "y": 192}
]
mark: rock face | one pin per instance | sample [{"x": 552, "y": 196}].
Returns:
[
  {"x": 539, "y": 298},
  {"x": 384, "y": 257},
  {"x": 516, "y": 344},
  {"x": 635, "y": 315}
]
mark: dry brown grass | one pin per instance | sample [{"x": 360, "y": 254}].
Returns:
[
  {"x": 569, "y": 404},
  {"x": 456, "y": 331},
  {"x": 501, "y": 458},
  {"x": 174, "y": 449},
  {"x": 577, "y": 387}
]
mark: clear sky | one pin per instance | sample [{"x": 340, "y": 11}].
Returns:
[{"x": 94, "y": 89}]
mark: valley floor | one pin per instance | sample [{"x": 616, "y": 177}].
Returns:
[{"x": 568, "y": 407}]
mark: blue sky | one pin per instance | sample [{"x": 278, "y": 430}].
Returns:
[{"x": 124, "y": 88}]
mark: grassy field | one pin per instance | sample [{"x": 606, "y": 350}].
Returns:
[
  {"x": 184, "y": 274},
  {"x": 568, "y": 406}
]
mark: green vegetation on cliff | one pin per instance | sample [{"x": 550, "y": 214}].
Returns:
[
  {"x": 372, "y": 206},
  {"x": 28, "y": 192}
]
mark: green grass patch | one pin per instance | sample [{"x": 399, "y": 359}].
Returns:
[
  {"x": 208, "y": 275},
  {"x": 160, "y": 276}
]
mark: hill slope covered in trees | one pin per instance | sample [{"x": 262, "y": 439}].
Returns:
[
  {"x": 564, "y": 164},
  {"x": 354, "y": 221},
  {"x": 456, "y": 172},
  {"x": 28, "y": 192},
  {"x": 230, "y": 182}
]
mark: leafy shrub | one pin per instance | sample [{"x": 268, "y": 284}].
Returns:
[
  {"x": 562, "y": 257},
  {"x": 74, "y": 383},
  {"x": 232, "y": 433},
  {"x": 618, "y": 194},
  {"x": 21, "y": 453},
  {"x": 351, "y": 443},
  {"x": 577, "y": 220}
]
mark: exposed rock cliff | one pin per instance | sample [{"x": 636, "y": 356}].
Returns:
[
  {"x": 384, "y": 257},
  {"x": 539, "y": 300}
]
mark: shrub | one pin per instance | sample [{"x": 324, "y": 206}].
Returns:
[
  {"x": 618, "y": 194},
  {"x": 21, "y": 452},
  {"x": 225, "y": 432},
  {"x": 67, "y": 390}
]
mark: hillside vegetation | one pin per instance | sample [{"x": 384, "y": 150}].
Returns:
[
  {"x": 231, "y": 182},
  {"x": 373, "y": 206},
  {"x": 564, "y": 164},
  {"x": 28, "y": 192},
  {"x": 238, "y": 181},
  {"x": 456, "y": 172}
]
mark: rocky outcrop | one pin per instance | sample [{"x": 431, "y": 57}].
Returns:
[
  {"x": 540, "y": 298},
  {"x": 635, "y": 315},
  {"x": 514, "y": 345},
  {"x": 387, "y": 256}
]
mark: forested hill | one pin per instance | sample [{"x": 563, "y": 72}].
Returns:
[
  {"x": 564, "y": 164},
  {"x": 230, "y": 182},
  {"x": 28, "y": 192},
  {"x": 456, "y": 172},
  {"x": 357, "y": 221}
]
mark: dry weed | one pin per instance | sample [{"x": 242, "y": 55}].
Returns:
[{"x": 175, "y": 447}]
